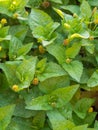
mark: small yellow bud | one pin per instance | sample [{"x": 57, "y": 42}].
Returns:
[
  {"x": 91, "y": 38},
  {"x": 26, "y": 13},
  {"x": 66, "y": 25},
  {"x": 0, "y": 25},
  {"x": 90, "y": 109},
  {"x": 3, "y": 21},
  {"x": 53, "y": 104},
  {"x": 46, "y": 4},
  {"x": 75, "y": 15},
  {"x": 39, "y": 40},
  {"x": 35, "y": 81},
  {"x": 66, "y": 42},
  {"x": 14, "y": 2},
  {"x": 15, "y": 15},
  {"x": 96, "y": 21},
  {"x": 0, "y": 48},
  {"x": 68, "y": 60},
  {"x": 15, "y": 88},
  {"x": 41, "y": 49}
]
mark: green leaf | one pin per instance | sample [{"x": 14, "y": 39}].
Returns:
[
  {"x": 15, "y": 43},
  {"x": 85, "y": 9},
  {"x": 20, "y": 110},
  {"x": 42, "y": 26},
  {"x": 72, "y": 51},
  {"x": 6, "y": 113},
  {"x": 10, "y": 72},
  {"x": 57, "y": 1},
  {"x": 7, "y": 96},
  {"x": 74, "y": 69},
  {"x": 43, "y": 33},
  {"x": 46, "y": 42},
  {"x": 26, "y": 70},
  {"x": 4, "y": 31},
  {"x": 39, "y": 18},
  {"x": 96, "y": 125},
  {"x": 82, "y": 106},
  {"x": 23, "y": 72},
  {"x": 82, "y": 127},
  {"x": 93, "y": 81},
  {"x": 18, "y": 123},
  {"x": 34, "y": 3},
  {"x": 61, "y": 96},
  {"x": 39, "y": 120},
  {"x": 3, "y": 82},
  {"x": 9, "y": 69},
  {"x": 53, "y": 83},
  {"x": 41, "y": 66},
  {"x": 4, "y": 7},
  {"x": 58, "y": 121},
  {"x": 8, "y": 7},
  {"x": 24, "y": 49},
  {"x": 90, "y": 48},
  {"x": 91, "y": 129},
  {"x": 72, "y": 8},
  {"x": 93, "y": 2},
  {"x": 51, "y": 70},
  {"x": 18, "y": 31},
  {"x": 89, "y": 119},
  {"x": 58, "y": 51},
  {"x": 84, "y": 77}
]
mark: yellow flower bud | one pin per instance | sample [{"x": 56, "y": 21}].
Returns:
[
  {"x": 41, "y": 49},
  {"x": 53, "y": 104},
  {"x": 90, "y": 109},
  {"x": 75, "y": 15},
  {"x": 66, "y": 25},
  {"x": 3, "y": 21},
  {"x": 68, "y": 60},
  {"x": 0, "y": 48},
  {"x": 91, "y": 38},
  {"x": 15, "y": 15},
  {"x": 26, "y": 13},
  {"x": 66, "y": 42},
  {"x": 35, "y": 81},
  {"x": 14, "y": 2},
  {"x": 46, "y": 4},
  {"x": 15, "y": 88},
  {"x": 96, "y": 21},
  {"x": 39, "y": 40}
]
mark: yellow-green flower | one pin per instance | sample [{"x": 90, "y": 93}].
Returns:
[
  {"x": 3, "y": 21},
  {"x": 68, "y": 60},
  {"x": 35, "y": 81},
  {"x": 90, "y": 109},
  {"x": 15, "y": 15},
  {"x": 15, "y": 88}
]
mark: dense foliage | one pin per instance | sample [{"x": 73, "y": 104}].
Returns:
[{"x": 48, "y": 64}]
